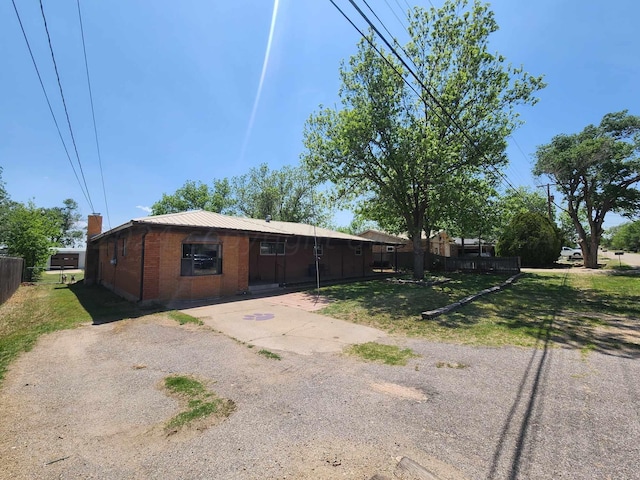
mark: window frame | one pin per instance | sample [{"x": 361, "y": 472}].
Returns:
[
  {"x": 190, "y": 266},
  {"x": 272, "y": 252}
]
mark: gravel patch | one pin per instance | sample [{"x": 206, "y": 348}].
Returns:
[{"x": 89, "y": 403}]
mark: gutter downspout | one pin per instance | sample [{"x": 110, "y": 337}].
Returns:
[{"x": 144, "y": 235}]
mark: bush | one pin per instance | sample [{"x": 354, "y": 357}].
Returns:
[{"x": 533, "y": 238}]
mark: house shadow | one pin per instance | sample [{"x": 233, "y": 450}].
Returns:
[{"x": 104, "y": 306}]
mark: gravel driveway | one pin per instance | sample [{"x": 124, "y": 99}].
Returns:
[{"x": 87, "y": 403}]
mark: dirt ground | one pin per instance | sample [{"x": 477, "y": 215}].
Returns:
[{"x": 89, "y": 403}]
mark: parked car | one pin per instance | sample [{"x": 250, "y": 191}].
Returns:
[{"x": 569, "y": 252}]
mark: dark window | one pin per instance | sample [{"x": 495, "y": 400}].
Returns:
[
  {"x": 358, "y": 250},
  {"x": 271, "y": 248},
  {"x": 201, "y": 259}
]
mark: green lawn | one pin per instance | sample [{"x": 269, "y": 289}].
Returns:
[
  {"x": 49, "y": 306},
  {"x": 579, "y": 310}
]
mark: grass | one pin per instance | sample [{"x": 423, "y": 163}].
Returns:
[
  {"x": 268, "y": 354},
  {"x": 570, "y": 309},
  {"x": 46, "y": 307},
  {"x": 183, "y": 318},
  {"x": 377, "y": 352},
  {"x": 200, "y": 403}
]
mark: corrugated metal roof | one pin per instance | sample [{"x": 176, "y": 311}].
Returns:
[
  {"x": 205, "y": 219},
  {"x": 383, "y": 237}
]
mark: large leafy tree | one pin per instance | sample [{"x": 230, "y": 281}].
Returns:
[
  {"x": 65, "y": 230},
  {"x": 28, "y": 235},
  {"x": 287, "y": 195},
  {"x": 597, "y": 171},
  {"x": 196, "y": 196},
  {"x": 392, "y": 147},
  {"x": 626, "y": 236}
]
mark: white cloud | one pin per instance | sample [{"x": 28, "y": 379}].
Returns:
[{"x": 144, "y": 209}]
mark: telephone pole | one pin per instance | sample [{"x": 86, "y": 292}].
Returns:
[{"x": 549, "y": 198}]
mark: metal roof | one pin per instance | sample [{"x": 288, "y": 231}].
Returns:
[{"x": 205, "y": 219}]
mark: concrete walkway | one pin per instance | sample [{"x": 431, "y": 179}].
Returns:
[{"x": 284, "y": 322}]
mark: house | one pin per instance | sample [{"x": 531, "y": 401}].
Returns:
[
  {"x": 198, "y": 255},
  {"x": 397, "y": 250}
]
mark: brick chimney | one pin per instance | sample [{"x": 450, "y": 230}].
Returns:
[
  {"x": 92, "y": 258},
  {"x": 94, "y": 226}
]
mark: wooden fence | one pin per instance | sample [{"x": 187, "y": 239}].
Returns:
[
  {"x": 483, "y": 264},
  {"x": 10, "y": 276}
]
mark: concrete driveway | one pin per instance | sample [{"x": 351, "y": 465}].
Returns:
[{"x": 284, "y": 322}]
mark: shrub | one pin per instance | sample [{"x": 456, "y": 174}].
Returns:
[{"x": 533, "y": 238}]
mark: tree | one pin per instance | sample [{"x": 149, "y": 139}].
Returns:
[
  {"x": 626, "y": 237},
  {"x": 28, "y": 235},
  {"x": 287, "y": 195},
  {"x": 65, "y": 231},
  {"x": 398, "y": 151},
  {"x": 597, "y": 171},
  {"x": 532, "y": 237},
  {"x": 195, "y": 196},
  {"x": 521, "y": 200}
]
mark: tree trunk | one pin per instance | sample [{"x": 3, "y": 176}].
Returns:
[{"x": 418, "y": 257}]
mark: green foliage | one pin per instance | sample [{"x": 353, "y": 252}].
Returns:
[
  {"x": 28, "y": 232},
  {"x": 520, "y": 200},
  {"x": 287, "y": 195},
  {"x": 65, "y": 231},
  {"x": 183, "y": 318},
  {"x": 533, "y": 238},
  {"x": 627, "y": 237},
  {"x": 199, "y": 401},
  {"x": 195, "y": 196},
  {"x": 377, "y": 352},
  {"x": 597, "y": 171},
  {"x": 268, "y": 354},
  {"x": 395, "y": 154}
]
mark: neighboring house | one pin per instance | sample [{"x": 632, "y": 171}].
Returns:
[
  {"x": 397, "y": 250},
  {"x": 199, "y": 255},
  {"x": 473, "y": 247},
  {"x": 66, "y": 258}
]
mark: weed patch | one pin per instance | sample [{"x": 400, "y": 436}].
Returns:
[
  {"x": 183, "y": 318},
  {"x": 200, "y": 403},
  {"x": 377, "y": 352},
  {"x": 268, "y": 354}
]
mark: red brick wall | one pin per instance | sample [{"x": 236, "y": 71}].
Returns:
[
  {"x": 338, "y": 260},
  {"x": 162, "y": 279}
]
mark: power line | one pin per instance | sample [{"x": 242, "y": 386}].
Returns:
[
  {"x": 93, "y": 114},
  {"x": 433, "y": 98},
  {"x": 64, "y": 103},
  {"x": 55, "y": 121}
]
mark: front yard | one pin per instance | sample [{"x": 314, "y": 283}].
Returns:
[{"x": 587, "y": 311}]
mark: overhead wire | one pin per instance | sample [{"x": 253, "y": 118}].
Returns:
[
  {"x": 93, "y": 114},
  {"x": 46, "y": 96},
  {"x": 64, "y": 103},
  {"x": 433, "y": 98}
]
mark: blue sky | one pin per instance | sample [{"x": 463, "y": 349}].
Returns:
[{"x": 174, "y": 86}]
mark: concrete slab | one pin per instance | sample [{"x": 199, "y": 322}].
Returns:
[{"x": 272, "y": 324}]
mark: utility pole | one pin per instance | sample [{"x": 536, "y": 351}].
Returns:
[{"x": 549, "y": 198}]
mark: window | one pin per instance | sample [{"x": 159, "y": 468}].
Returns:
[
  {"x": 319, "y": 250},
  {"x": 124, "y": 247},
  {"x": 271, "y": 248},
  {"x": 358, "y": 250},
  {"x": 201, "y": 259}
]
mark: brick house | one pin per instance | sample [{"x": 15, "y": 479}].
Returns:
[{"x": 199, "y": 255}]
